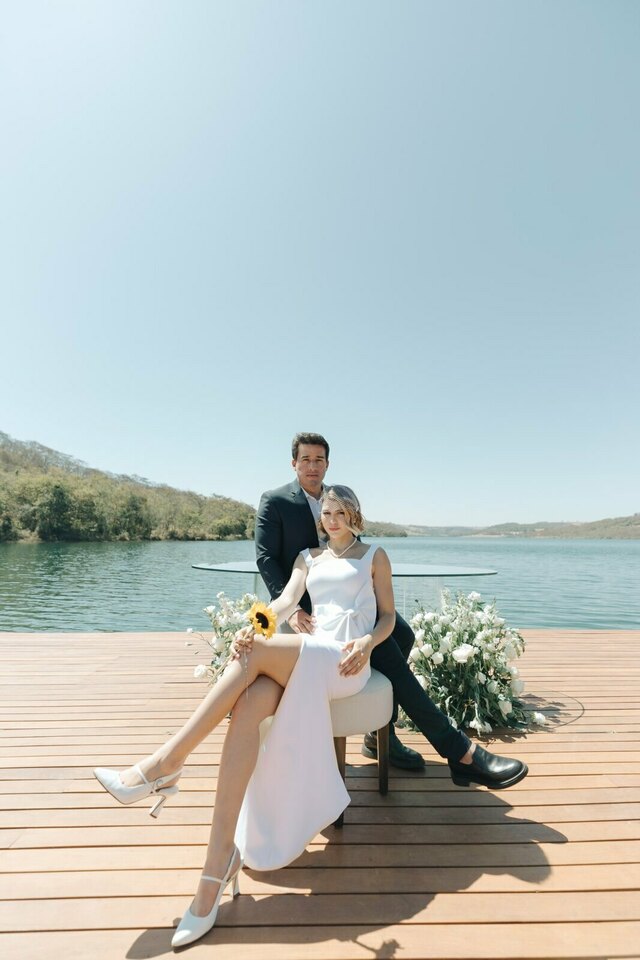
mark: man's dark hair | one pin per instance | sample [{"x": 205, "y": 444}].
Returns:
[{"x": 315, "y": 438}]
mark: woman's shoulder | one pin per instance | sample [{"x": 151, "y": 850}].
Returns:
[{"x": 379, "y": 556}]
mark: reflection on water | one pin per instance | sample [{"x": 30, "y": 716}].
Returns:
[{"x": 152, "y": 586}]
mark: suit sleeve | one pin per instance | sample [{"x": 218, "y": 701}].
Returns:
[{"x": 269, "y": 546}]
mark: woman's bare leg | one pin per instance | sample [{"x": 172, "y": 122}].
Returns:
[
  {"x": 239, "y": 755},
  {"x": 273, "y": 658}
]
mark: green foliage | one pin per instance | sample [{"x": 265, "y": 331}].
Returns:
[{"x": 48, "y": 496}]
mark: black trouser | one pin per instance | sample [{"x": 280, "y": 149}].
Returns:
[{"x": 390, "y": 658}]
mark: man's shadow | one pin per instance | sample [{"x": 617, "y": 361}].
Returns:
[{"x": 389, "y": 863}]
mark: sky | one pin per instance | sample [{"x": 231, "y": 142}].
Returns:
[{"x": 413, "y": 227}]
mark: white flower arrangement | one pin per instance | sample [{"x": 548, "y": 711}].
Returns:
[
  {"x": 461, "y": 658},
  {"x": 226, "y": 618}
]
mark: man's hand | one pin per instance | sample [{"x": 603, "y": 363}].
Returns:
[{"x": 302, "y": 622}]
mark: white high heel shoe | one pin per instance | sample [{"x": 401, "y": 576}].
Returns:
[
  {"x": 110, "y": 780},
  {"x": 191, "y": 927}
]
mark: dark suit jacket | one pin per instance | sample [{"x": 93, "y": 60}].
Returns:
[{"x": 284, "y": 527}]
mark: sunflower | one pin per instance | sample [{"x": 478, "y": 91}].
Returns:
[{"x": 263, "y": 619}]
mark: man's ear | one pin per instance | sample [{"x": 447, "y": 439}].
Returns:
[{"x": 293, "y": 464}]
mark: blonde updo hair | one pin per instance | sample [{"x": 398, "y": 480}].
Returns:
[{"x": 346, "y": 498}]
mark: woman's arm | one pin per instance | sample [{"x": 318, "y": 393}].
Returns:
[
  {"x": 358, "y": 651},
  {"x": 288, "y": 600},
  {"x": 283, "y": 607}
]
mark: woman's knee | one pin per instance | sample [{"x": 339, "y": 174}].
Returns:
[{"x": 261, "y": 700}]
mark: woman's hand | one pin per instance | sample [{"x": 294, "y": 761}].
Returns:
[
  {"x": 243, "y": 643},
  {"x": 356, "y": 655}
]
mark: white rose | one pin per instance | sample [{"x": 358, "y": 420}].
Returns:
[
  {"x": 517, "y": 686},
  {"x": 419, "y": 636},
  {"x": 480, "y": 677},
  {"x": 415, "y": 655},
  {"x": 422, "y": 681},
  {"x": 445, "y": 644},
  {"x": 509, "y": 651},
  {"x": 437, "y": 658},
  {"x": 463, "y": 653},
  {"x": 506, "y": 707},
  {"x": 429, "y": 616},
  {"x": 209, "y": 609},
  {"x": 436, "y": 628},
  {"x": 539, "y": 718},
  {"x": 474, "y": 597},
  {"x": 200, "y": 672},
  {"x": 219, "y": 644},
  {"x": 492, "y": 686},
  {"x": 514, "y": 672},
  {"x": 426, "y": 649}
]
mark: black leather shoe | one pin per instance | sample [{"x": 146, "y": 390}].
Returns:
[
  {"x": 496, "y": 773},
  {"x": 399, "y": 755}
]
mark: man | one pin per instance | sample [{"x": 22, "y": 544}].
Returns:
[{"x": 285, "y": 525}]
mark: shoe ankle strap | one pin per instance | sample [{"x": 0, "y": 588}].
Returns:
[
  {"x": 213, "y": 879},
  {"x": 140, "y": 773}
]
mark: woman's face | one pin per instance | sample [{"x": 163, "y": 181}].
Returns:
[{"x": 334, "y": 518}]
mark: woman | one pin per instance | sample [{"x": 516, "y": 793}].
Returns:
[{"x": 274, "y": 806}]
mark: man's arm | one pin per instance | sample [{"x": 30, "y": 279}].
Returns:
[{"x": 268, "y": 537}]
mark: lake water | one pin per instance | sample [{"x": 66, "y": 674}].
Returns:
[{"x": 152, "y": 586}]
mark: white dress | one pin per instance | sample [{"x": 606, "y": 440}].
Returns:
[{"x": 296, "y": 789}]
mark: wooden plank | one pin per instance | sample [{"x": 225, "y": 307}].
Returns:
[
  {"x": 329, "y": 910},
  {"x": 509, "y": 857},
  {"x": 340, "y": 880},
  {"x": 106, "y": 814},
  {"x": 574, "y": 941}
]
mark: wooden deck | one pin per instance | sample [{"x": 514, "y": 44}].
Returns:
[{"x": 548, "y": 869}]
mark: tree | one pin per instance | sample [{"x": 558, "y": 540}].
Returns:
[{"x": 54, "y": 514}]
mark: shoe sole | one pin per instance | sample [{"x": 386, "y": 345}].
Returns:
[{"x": 462, "y": 780}]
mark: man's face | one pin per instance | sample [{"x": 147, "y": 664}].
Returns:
[{"x": 310, "y": 467}]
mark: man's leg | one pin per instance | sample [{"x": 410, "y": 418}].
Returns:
[
  {"x": 479, "y": 766},
  {"x": 399, "y": 755},
  {"x": 432, "y": 722}
]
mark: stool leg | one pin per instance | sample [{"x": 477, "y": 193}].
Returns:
[
  {"x": 340, "y": 745},
  {"x": 383, "y": 759}
]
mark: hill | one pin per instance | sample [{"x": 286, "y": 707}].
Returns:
[
  {"x": 47, "y": 495},
  {"x": 613, "y": 528}
]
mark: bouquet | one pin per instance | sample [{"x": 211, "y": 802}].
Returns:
[
  {"x": 462, "y": 659},
  {"x": 227, "y": 618}
]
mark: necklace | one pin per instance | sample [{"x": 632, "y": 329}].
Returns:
[{"x": 337, "y": 556}]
